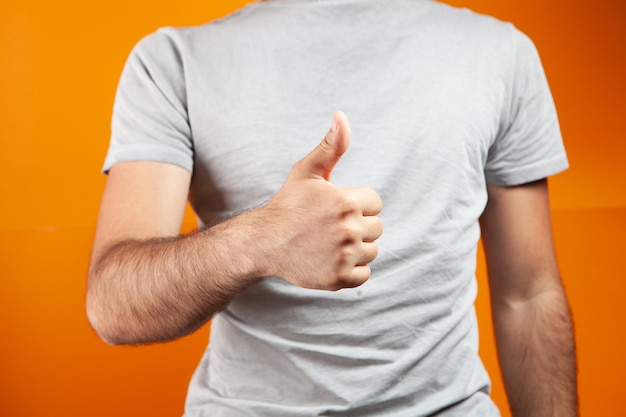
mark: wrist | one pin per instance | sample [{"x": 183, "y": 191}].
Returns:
[{"x": 237, "y": 244}]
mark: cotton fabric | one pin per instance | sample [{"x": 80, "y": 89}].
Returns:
[{"x": 441, "y": 100}]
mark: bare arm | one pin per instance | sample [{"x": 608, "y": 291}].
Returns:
[
  {"x": 532, "y": 321},
  {"x": 146, "y": 283}
]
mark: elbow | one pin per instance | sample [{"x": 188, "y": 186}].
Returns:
[
  {"x": 100, "y": 328},
  {"x": 101, "y": 312},
  {"x": 101, "y": 322}
]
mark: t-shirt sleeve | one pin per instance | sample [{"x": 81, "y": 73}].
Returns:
[
  {"x": 529, "y": 145},
  {"x": 150, "y": 119}
]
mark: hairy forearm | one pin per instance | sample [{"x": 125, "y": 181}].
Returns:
[
  {"x": 312, "y": 234},
  {"x": 143, "y": 291},
  {"x": 537, "y": 354}
]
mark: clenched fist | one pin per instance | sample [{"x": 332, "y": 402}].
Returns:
[{"x": 322, "y": 236}]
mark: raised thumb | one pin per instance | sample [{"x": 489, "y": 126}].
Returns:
[{"x": 321, "y": 161}]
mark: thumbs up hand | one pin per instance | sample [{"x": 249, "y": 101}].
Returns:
[{"x": 322, "y": 236}]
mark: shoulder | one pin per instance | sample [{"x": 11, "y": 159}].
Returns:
[
  {"x": 470, "y": 27},
  {"x": 189, "y": 36}
]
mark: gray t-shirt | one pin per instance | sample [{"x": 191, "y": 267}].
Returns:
[{"x": 441, "y": 101}]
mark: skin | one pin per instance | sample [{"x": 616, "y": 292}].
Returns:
[
  {"x": 147, "y": 283},
  {"x": 532, "y": 321}
]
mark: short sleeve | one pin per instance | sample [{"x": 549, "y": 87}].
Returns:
[
  {"x": 529, "y": 145},
  {"x": 150, "y": 119}
]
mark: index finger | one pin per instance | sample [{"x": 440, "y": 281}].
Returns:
[{"x": 367, "y": 199}]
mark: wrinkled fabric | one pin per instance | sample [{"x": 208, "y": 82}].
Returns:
[{"x": 442, "y": 101}]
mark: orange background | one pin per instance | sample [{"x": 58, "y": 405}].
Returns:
[{"x": 59, "y": 66}]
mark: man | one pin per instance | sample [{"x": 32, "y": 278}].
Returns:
[{"x": 316, "y": 312}]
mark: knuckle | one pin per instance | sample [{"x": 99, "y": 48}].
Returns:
[
  {"x": 345, "y": 259},
  {"x": 325, "y": 145},
  {"x": 348, "y": 204},
  {"x": 350, "y": 234}
]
